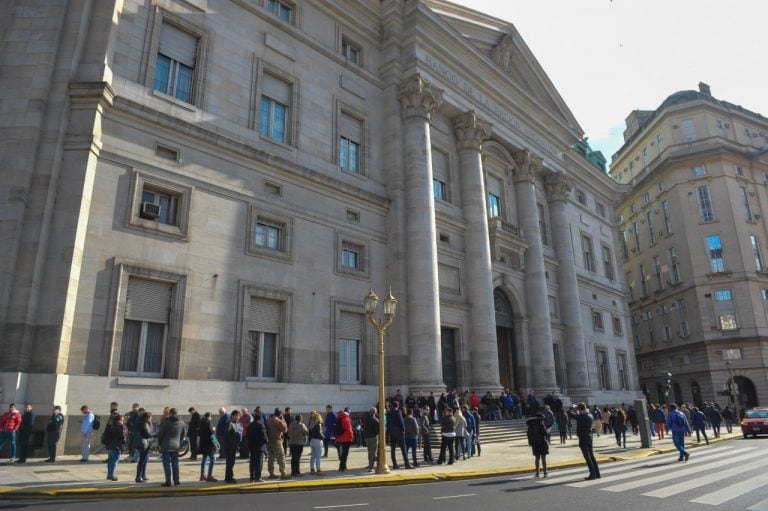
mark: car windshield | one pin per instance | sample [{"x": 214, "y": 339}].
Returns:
[{"x": 757, "y": 414}]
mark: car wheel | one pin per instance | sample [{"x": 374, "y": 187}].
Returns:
[
  {"x": 745, "y": 435},
  {"x": 754, "y": 435}
]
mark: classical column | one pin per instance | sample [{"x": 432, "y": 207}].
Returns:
[
  {"x": 470, "y": 134},
  {"x": 419, "y": 100},
  {"x": 558, "y": 187},
  {"x": 527, "y": 169}
]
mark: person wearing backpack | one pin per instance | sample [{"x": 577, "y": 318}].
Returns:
[
  {"x": 678, "y": 425},
  {"x": 537, "y": 439}
]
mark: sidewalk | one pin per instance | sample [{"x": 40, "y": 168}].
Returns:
[{"x": 69, "y": 479}]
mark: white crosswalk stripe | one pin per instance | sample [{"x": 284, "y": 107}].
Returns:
[{"x": 706, "y": 469}]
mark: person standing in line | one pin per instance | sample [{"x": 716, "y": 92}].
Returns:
[
  {"x": 208, "y": 447},
  {"x": 371, "y": 436},
  {"x": 276, "y": 429},
  {"x": 288, "y": 418},
  {"x": 447, "y": 436},
  {"x": 132, "y": 419},
  {"x": 114, "y": 441},
  {"x": 141, "y": 438},
  {"x": 315, "y": 442},
  {"x": 469, "y": 439},
  {"x": 396, "y": 429},
  {"x": 537, "y": 439},
  {"x": 222, "y": 424},
  {"x": 345, "y": 439},
  {"x": 678, "y": 425},
  {"x": 170, "y": 435},
  {"x": 230, "y": 441},
  {"x": 411, "y": 434},
  {"x": 562, "y": 424},
  {"x": 245, "y": 420},
  {"x": 297, "y": 439},
  {"x": 193, "y": 432},
  {"x": 10, "y": 422},
  {"x": 330, "y": 421},
  {"x": 584, "y": 423},
  {"x": 460, "y": 447},
  {"x": 619, "y": 426},
  {"x": 425, "y": 429},
  {"x": 476, "y": 440},
  {"x": 256, "y": 435},
  {"x": 53, "y": 432},
  {"x": 86, "y": 428},
  {"x": 25, "y": 432}
]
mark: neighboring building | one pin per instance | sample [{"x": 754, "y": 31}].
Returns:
[
  {"x": 200, "y": 193},
  {"x": 694, "y": 246}
]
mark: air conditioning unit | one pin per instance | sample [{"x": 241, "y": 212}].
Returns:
[
  {"x": 757, "y": 217},
  {"x": 149, "y": 210}
]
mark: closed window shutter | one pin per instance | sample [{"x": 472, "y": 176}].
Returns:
[
  {"x": 178, "y": 45},
  {"x": 351, "y": 128},
  {"x": 276, "y": 89},
  {"x": 350, "y": 325},
  {"x": 494, "y": 186},
  {"x": 148, "y": 300},
  {"x": 439, "y": 165},
  {"x": 266, "y": 315}
]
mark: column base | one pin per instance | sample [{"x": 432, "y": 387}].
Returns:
[
  {"x": 482, "y": 388},
  {"x": 437, "y": 388}
]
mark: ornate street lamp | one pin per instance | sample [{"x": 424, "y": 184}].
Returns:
[{"x": 371, "y": 303}]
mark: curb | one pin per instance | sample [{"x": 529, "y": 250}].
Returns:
[{"x": 137, "y": 492}]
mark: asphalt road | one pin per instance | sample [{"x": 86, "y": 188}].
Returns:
[{"x": 729, "y": 476}]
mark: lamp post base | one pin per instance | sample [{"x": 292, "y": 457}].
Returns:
[{"x": 383, "y": 469}]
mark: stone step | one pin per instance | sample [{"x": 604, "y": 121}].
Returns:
[{"x": 513, "y": 430}]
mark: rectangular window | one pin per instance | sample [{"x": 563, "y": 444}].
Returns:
[
  {"x": 657, "y": 273},
  {"x": 175, "y": 63},
  {"x": 666, "y": 333},
  {"x": 160, "y": 206},
  {"x": 607, "y": 263},
  {"x": 699, "y": 170},
  {"x": 600, "y": 209},
  {"x": 617, "y": 326},
  {"x": 603, "y": 373},
  {"x": 147, "y": 312},
  {"x": 281, "y": 10},
  {"x": 581, "y": 197},
  {"x": 674, "y": 266},
  {"x": 621, "y": 362},
  {"x": 646, "y": 197},
  {"x": 715, "y": 249},
  {"x": 350, "y": 257},
  {"x": 350, "y": 143},
  {"x": 263, "y": 356},
  {"x": 756, "y": 252},
  {"x": 689, "y": 130},
  {"x": 667, "y": 218},
  {"x": 625, "y": 244},
  {"x": 684, "y": 332},
  {"x": 274, "y": 108},
  {"x": 659, "y": 142},
  {"x": 440, "y": 175},
  {"x": 643, "y": 282},
  {"x": 438, "y": 190},
  {"x": 745, "y": 201},
  {"x": 706, "y": 213},
  {"x": 351, "y": 51},
  {"x": 651, "y": 232},
  {"x": 349, "y": 361},
  {"x": 543, "y": 225},
  {"x": 588, "y": 254},
  {"x": 268, "y": 236},
  {"x": 723, "y": 295},
  {"x": 494, "y": 206},
  {"x": 636, "y": 233},
  {"x": 264, "y": 325},
  {"x": 597, "y": 321},
  {"x": 727, "y": 322},
  {"x": 630, "y": 285}
]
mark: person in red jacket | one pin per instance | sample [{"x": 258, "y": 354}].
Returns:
[
  {"x": 345, "y": 439},
  {"x": 9, "y": 425}
]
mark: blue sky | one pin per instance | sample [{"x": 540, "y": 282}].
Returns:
[{"x": 609, "y": 57}]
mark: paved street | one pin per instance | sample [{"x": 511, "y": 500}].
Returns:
[{"x": 511, "y": 460}]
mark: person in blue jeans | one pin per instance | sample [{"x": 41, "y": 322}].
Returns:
[
  {"x": 678, "y": 425},
  {"x": 114, "y": 442}
]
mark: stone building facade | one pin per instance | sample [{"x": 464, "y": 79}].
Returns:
[
  {"x": 694, "y": 245},
  {"x": 199, "y": 194}
]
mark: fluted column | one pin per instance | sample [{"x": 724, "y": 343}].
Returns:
[
  {"x": 419, "y": 100},
  {"x": 527, "y": 169},
  {"x": 471, "y": 132},
  {"x": 558, "y": 187}
]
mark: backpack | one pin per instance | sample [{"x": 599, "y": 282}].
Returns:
[
  {"x": 679, "y": 420},
  {"x": 338, "y": 429},
  {"x": 96, "y": 424}
]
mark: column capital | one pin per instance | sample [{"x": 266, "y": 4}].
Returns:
[
  {"x": 419, "y": 98},
  {"x": 557, "y": 185},
  {"x": 527, "y": 165},
  {"x": 471, "y": 131}
]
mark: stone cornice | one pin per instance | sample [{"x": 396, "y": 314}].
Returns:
[
  {"x": 557, "y": 185},
  {"x": 527, "y": 166},
  {"x": 471, "y": 131},
  {"x": 419, "y": 98}
]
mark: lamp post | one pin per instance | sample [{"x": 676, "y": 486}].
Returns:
[
  {"x": 734, "y": 392},
  {"x": 371, "y": 303}
]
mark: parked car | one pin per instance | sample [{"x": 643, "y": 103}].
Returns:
[{"x": 755, "y": 422}]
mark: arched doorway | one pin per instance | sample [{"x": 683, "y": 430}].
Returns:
[
  {"x": 746, "y": 392},
  {"x": 505, "y": 340},
  {"x": 695, "y": 393},
  {"x": 677, "y": 392}
]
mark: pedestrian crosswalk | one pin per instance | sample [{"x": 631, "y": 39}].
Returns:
[{"x": 715, "y": 476}]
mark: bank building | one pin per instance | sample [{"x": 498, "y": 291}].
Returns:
[{"x": 198, "y": 194}]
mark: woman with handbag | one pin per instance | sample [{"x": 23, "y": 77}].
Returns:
[{"x": 141, "y": 438}]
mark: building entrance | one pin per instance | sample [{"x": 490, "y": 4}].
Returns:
[{"x": 505, "y": 340}]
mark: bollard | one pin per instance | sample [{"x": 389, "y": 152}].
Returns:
[{"x": 642, "y": 420}]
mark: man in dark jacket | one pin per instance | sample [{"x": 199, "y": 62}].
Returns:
[
  {"x": 53, "y": 430},
  {"x": 170, "y": 435},
  {"x": 25, "y": 431},
  {"x": 256, "y": 435},
  {"x": 371, "y": 436},
  {"x": 396, "y": 431},
  {"x": 584, "y": 422},
  {"x": 193, "y": 432},
  {"x": 229, "y": 441}
]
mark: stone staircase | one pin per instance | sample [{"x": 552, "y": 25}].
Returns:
[{"x": 491, "y": 432}]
